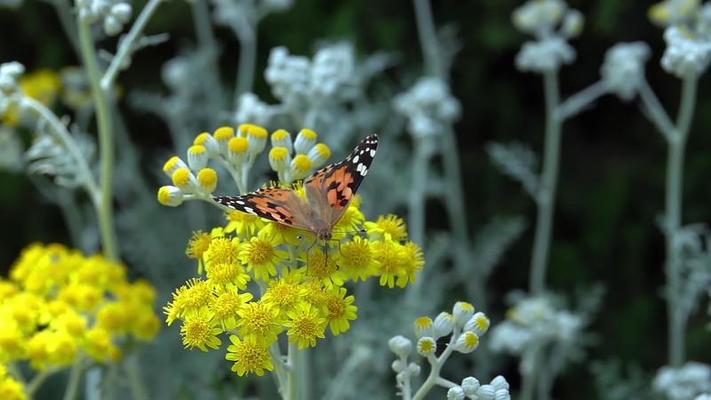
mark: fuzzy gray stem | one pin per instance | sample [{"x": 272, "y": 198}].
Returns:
[{"x": 547, "y": 191}]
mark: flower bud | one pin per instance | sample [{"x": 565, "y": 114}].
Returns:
[
  {"x": 112, "y": 26},
  {"x": 486, "y": 392},
  {"x": 207, "y": 178},
  {"x": 257, "y": 137},
  {"x": 502, "y": 394},
  {"x": 282, "y": 138},
  {"x": 413, "y": 369},
  {"x": 184, "y": 180},
  {"x": 455, "y": 393},
  {"x": 279, "y": 158},
  {"x": 443, "y": 324},
  {"x": 305, "y": 140},
  {"x": 499, "y": 382},
  {"x": 470, "y": 385},
  {"x": 478, "y": 323},
  {"x": 205, "y": 139},
  {"x": 467, "y": 342},
  {"x": 319, "y": 154},
  {"x": 122, "y": 12},
  {"x": 170, "y": 196},
  {"x": 426, "y": 346},
  {"x": 398, "y": 366},
  {"x": 197, "y": 157},
  {"x": 237, "y": 149},
  {"x": 462, "y": 311},
  {"x": 424, "y": 327},
  {"x": 172, "y": 165},
  {"x": 400, "y": 345},
  {"x": 222, "y": 136},
  {"x": 301, "y": 166}
]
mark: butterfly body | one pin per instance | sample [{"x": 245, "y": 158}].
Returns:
[{"x": 328, "y": 192}]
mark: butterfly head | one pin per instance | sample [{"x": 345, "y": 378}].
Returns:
[{"x": 325, "y": 235}]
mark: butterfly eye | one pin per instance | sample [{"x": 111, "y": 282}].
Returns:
[{"x": 299, "y": 237}]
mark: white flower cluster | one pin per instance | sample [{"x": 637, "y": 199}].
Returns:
[
  {"x": 533, "y": 322},
  {"x": 10, "y": 73},
  {"x": 552, "y": 23},
  {"x": 113, "y": 14},
  {"x": 545, "y": 55},
  {"x": 429, "y": 107},
  {"x": 251, "y": 108},
  {"x": 465, "y": 327},
  {"x": 687, "y": 54},
  {"x": 470, "y": 388},
  {"x": 232, "y": 12},
  {"x": 623, "y": 68},
  {"x": 685, "y": 383},
  {"x": 297, "y": 79},
  {"x": 235, "y": 151}
]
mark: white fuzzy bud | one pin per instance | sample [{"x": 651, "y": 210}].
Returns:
[
  {"x": 400, "y": 345},
  {"x": 470, "y": 385},
  {"x": 455, "y": 393}
]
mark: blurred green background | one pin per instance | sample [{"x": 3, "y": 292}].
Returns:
[{"x": 613, "y": 161}]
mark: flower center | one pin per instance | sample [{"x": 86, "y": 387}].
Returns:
[{"x": 262, "y": 252}]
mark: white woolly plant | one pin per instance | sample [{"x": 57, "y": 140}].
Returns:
[{"x": 464, "y": 328}]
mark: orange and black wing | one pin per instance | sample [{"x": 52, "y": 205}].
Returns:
[
  {"x": 335, "y": 185},
  {"x": 276, "y": 204}
]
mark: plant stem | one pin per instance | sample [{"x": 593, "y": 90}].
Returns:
[
  {"x": 127, "y": 44},
  {"x": 37, "y": 381},
  {"x": 428, "y": 38},
  {"x": 135, "y": 381},
  {"x": 547, "y": 190},
  {"x": 655, "y": 112},
  {"x": 75, "y": 373},
  {"x": 673, "y": 210},
  {"x": 247, "y": 64},
  {"x": 435, "y": 368},
  {"x": 418, "y": 193},
  {"x": 104, "y": 206},
  {"x": 578, "y": 102},
  {"x": 297, "y": 382}
]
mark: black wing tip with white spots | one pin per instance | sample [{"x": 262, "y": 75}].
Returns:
[{"x": 362, "y": 156}]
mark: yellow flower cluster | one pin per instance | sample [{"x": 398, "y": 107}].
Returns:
[
  {"x": 259, "y": 279},
  {"x": 10, "y": 388},
  {"x": 59, "y": 306}
]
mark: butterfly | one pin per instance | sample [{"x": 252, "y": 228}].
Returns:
[{"x": 329, "y": 191}]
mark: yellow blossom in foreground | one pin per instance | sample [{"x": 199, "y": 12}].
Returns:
[
  {"x": 199, "y": 330},
  {"x": 59, "y": 304},
  {"x": 261, "y": 255},
  {"x": 339, "y": 310},
  {"x": 259, "y": 320},
  {"x": 249, "y": 355},
  {"x": 305, "y": 326}
]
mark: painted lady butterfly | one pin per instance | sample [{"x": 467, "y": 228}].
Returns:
[{"x": 329, "y": 191}]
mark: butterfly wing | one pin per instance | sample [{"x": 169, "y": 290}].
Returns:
[
  {"x": 331, "y": 189},
  {"x": 275, "y": 204}
]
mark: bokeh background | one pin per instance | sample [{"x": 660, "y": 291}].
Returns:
[{"x": 611, "y": 186}]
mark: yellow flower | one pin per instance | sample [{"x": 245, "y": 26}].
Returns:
[
  {"x": 284, "y": 294},
  {"x": 114, "y": 317},
  {"x": 249, "y": 355},
  {"x": 225, "y": 307},
  {"x": 339, "y": 310},
  {"x": 243, "y": 224},
  {"x": 83, "y": 297},
  {"x": 388, "y": 254},
  {"x": 199, "y": 330},
  {"x": 197, "y": 246},
  {"x": 99, "y": 346},
  {"x": 188, "y": 298},
  {"x": 145, "y": 325},
  {"x": 259, "y": 320},
  {"x": 12, "y": 341},
  {"x": 222, "y": 250},
  {"x": 71, "y": 322},
  {"x": 230, "y": 276},
  {"x": 10, "y": 389},
  {"x": 305, "y": 326},
  {"x": 350, "y": 221},
  {"x": 356, "y": 259},
  {"x": 261, "y": 255},
  {"x": 389, "y": 225},
  {"x": 322, "y": 266},
  {"x": 284, "y": 234},
  {"x": 412, "y": 260}
]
